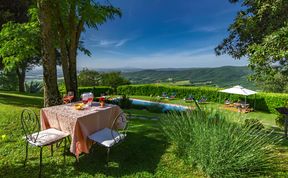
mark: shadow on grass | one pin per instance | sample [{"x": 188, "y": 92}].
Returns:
[
  {"x": 21, "y": 100},
  {"x": 137, "y": 156}
]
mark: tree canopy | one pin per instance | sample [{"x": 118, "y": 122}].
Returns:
[
  {"x": 259, "y": 32},
  {"x": 62, "y": 23},
  {"x": 87, "y": 77},
  {"x": 20, "y": 43},
  {"x": 14, "y": 10}
]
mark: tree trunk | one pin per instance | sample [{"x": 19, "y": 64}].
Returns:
[
  {"x": 62, "y": 32},
  {"x": 51, "y": 91},
  {"x": 21, "y": 73},
  {"x": 73, "y": 49},
  {"x": 65, "y": 62}
]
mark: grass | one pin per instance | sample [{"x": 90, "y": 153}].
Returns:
[
  {"x": 202, "y": 139},
  {"x": 145, "y": 152},
  {"x": 267, "y": 119}
]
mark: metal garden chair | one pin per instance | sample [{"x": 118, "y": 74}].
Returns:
[
  {"x": 109, "y": 137},
  {"x": 35, "y": 137}
]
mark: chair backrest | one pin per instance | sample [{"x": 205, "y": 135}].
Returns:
[
  {"x": 30, "y": 124},
  {"x": 120, "y": 125}
]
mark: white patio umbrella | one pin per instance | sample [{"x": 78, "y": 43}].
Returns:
[{"x": 239, "y": 90}]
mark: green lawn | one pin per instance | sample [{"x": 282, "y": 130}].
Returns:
[
  {"x": 267, "y": 119},
  {"x": 145, "y": 152}
]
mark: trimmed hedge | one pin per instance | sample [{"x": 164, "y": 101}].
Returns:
[
  {"x": 96, "y": 90},
  {"x": 264, "y": 101}
]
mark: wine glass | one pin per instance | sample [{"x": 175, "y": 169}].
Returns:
[
  {"x": 85, "y": 97},
  {"x": 70, "y": 96},
  {"x": 90, "y": 98}
]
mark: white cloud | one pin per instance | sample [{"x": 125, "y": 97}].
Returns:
[
  {"x": 121, "y": 42},
  {"x": 208, "y": 29},
  {"x": 107, "y": 43}
]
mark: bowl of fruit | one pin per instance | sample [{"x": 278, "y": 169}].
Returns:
[{"x": 79, "y": 106}]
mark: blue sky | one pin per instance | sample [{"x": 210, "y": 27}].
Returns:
[{"x": 161, "y": 34}]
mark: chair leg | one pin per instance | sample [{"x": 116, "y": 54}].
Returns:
[
  {"x": 26, "y": 157},
  {"x": 65, "y": 142},
  {"x": 40, "y": 171},
  {"x": 51, "y": 149},
  {"x": 108, "y": 154}
]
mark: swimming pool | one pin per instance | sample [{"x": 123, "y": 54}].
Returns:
[{"x": 166, "y": 107}]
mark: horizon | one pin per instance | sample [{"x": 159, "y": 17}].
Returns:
[
  {"x": 177, "y": 34},
  {"x": 59, "y": 68}
]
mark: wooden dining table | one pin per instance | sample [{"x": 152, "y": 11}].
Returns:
[{"x": 79, "y": 123}]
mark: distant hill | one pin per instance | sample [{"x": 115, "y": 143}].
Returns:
[{"x": 222, "y": 76}]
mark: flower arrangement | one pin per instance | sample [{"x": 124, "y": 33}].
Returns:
[{"x": 101, "y": 99}]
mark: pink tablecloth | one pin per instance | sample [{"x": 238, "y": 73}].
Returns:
[{"x": 79, "y": 123}]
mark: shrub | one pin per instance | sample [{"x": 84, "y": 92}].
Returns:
[
  {"x": 264, "y": 101},
  {"x": 155, "y": 108},
  {"x": 217, "y": 147},
  {"x": 88, "y": 77},
  {"x": 97, "y": 90},
  {"x": 280, "y": 120},
  {"x": 124, "y": 102},
  {"x": 113, "y": 79},
  {"x": 33, "y": 87},
  {"x": 254, "y": 124}
]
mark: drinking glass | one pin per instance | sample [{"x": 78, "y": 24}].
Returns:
[
  {"x": 70, "y": 96},
  {"x": 90, "y": 98},
  {"x": 85, "y": 97}
]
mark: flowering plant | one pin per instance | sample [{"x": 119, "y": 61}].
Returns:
[{"x": 101, "y": 99}]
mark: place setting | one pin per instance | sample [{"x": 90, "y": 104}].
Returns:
[{"x": 87, "y": 103}]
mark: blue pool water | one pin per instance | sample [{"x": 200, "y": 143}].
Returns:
[{"x": 166, "y": 107}]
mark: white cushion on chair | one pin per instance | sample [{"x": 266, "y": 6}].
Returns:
[
  {"x": 105, "y": 138},
  {"x": 46, "y": 137}
]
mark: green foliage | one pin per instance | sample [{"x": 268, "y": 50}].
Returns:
[
  {"x": 156, "y": 99},
  {"x": 144, "y": 153},
  {"x": 265, "y": 55},
  {"x": 254, "y": 124},
  {"x": 263, "y": 101},
  {"x": 113, "y": 79},
  {"x": 259, "y": 31},
  {"x": 20, "y": 42},
  {"x": 7, "y": 80},
  {"x": 254, "y": 22},
  {"x": 33, "y": 87},
  {"x": 88, "y": 77},
  {"x": 207, "y": 141},
  {"x": 157, "y": 90},
  {"x": 14, "y": 10},
  {"x": 96, "y": 90},
  {"x": 155, "y": 108},
  {"x": 280, "y": 120},
  {"x": 124, "y": 102}
]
